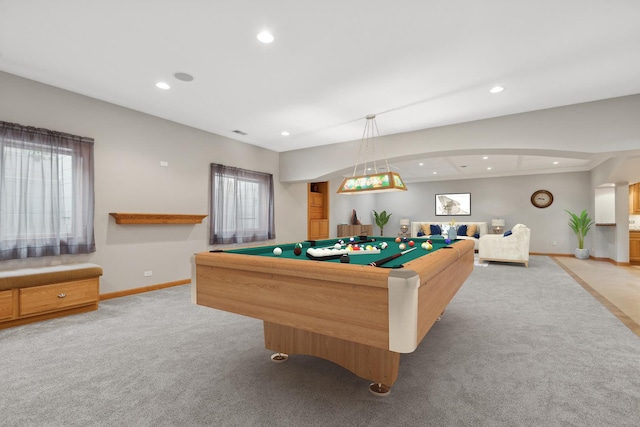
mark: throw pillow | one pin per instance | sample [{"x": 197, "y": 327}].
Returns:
[
  {"x": 507, "y": 233},
  {"x": 462, "y": 230},
  {"x": 435, "y": 229},
  {"x": 472, "y": 230},
  {"x": 426, "y": 229}
]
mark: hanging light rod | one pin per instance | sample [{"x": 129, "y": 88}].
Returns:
[{"x": 376, "y": 182}]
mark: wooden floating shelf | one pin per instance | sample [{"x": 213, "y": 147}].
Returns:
[{"x": 148, "y": 218}]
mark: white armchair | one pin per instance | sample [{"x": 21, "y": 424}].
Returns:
[{"x": 512, "y": 248}]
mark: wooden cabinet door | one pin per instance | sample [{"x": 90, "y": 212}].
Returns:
[
  {"x": 634, "y": 246},
  {"x": 6, "y": 305},
  {"x": 324, "y": 229},
  {"x": 318, "y": 229}
]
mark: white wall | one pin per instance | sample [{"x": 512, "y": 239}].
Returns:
[
  {"x": 128, "y": 178},
  {"x": 507, "y": 198},
  {"x": 610, "y": 125}
]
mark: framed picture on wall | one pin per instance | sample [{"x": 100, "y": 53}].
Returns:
[{"x": 453, "y": 204}]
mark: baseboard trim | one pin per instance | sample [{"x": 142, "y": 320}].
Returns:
[
  {"x": 134, "y": 291},
  {"x": 609, "y": 260}
]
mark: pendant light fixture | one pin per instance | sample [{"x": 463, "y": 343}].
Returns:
[{"x": 375, "y": 182}]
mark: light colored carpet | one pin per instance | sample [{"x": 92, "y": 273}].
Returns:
[{"x": 516, "y": 347}]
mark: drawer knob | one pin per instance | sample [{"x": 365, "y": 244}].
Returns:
[{"x": 62, "y": 295}]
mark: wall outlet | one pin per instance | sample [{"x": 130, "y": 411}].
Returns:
[{"x": 148, "y": 273}]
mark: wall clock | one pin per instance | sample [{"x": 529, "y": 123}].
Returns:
[{"x": 541, "y": 199}]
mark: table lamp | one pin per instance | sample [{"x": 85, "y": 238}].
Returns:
[
  {"x": 404, "y": 226},
  {"x": 498, "y": 225}
]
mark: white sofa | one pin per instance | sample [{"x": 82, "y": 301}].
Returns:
[
  {"x": 512, "y": 248},
  {"x": 481, "y": 229}
]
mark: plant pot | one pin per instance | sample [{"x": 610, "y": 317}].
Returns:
[{"x": 582, "y": 253}]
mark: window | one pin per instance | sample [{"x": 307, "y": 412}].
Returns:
[
  {"x": 241, "y": 208},
  {"x": 46, "y": 193}
]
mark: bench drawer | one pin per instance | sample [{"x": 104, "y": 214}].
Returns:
[
  {"x": 6, "y": 305},
  {"x": 47, "y": 298}
]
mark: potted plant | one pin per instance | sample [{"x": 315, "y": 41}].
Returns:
[
  {"x": 580, "y": 224},
  {"x": 381, "y": 220}
]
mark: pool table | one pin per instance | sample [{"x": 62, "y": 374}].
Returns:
[{"x": 356, "y": 315}]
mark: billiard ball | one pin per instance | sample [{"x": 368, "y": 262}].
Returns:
[
  {"x": 352, "y": 239},
  {"x": 298, "y": 245},
  {"x": 402, "y": 246},
  {"x": 405, "y": 239},
  {"x": 398, "y": 240},
  {"x": 424, "y": 245},
  {"x": 337, "y": 246},
  {"x": 447, "y": 241},
  {"x": 277, "y": 251},
  {"x": 411, "y": 243},
  {"x": 383, "y": 245},
  {"x": 429, "y": 246},
  {"x": 297, "y": 251},
  {"x": 345, "y": 258}
]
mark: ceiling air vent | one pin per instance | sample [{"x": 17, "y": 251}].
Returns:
[{"x": 239, "y": 132}]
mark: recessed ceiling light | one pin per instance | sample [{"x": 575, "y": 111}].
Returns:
[
  {"x": 163, "y": 85},
  {"x": 496, "y": 89},
  {"x": 485, "y": 157},
  {"x": 489, "y": 168},
  {"x": 185, "y": 77},
  {"x": 435, "y": 173},
  {"x": 285, "y": 133},
  {"x": 555, "y": 163},
  {"x": 265, "y": 37},
  {"x": 420, "y": 164}
]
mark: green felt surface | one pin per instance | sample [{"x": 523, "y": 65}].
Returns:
[{"x": 392, "y": 248}]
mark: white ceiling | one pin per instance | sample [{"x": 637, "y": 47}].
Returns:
[{"x": 415, "y": 63}]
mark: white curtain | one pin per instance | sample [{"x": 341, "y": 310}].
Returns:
[
  {"x": 241, "y": 206},
  {"x": 46, "y": 193}
]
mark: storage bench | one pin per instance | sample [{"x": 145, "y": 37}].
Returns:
[{"x": 32, "y": 294}]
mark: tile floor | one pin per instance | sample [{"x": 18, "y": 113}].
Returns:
[{"x": 616, "y": 287}]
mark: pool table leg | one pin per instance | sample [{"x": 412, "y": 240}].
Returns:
[
  {"x": 371, "y": 363},
  {"x": 279, "y": 357}
]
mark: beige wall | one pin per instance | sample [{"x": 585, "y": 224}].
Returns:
[{"x": 129, "y": 147}]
